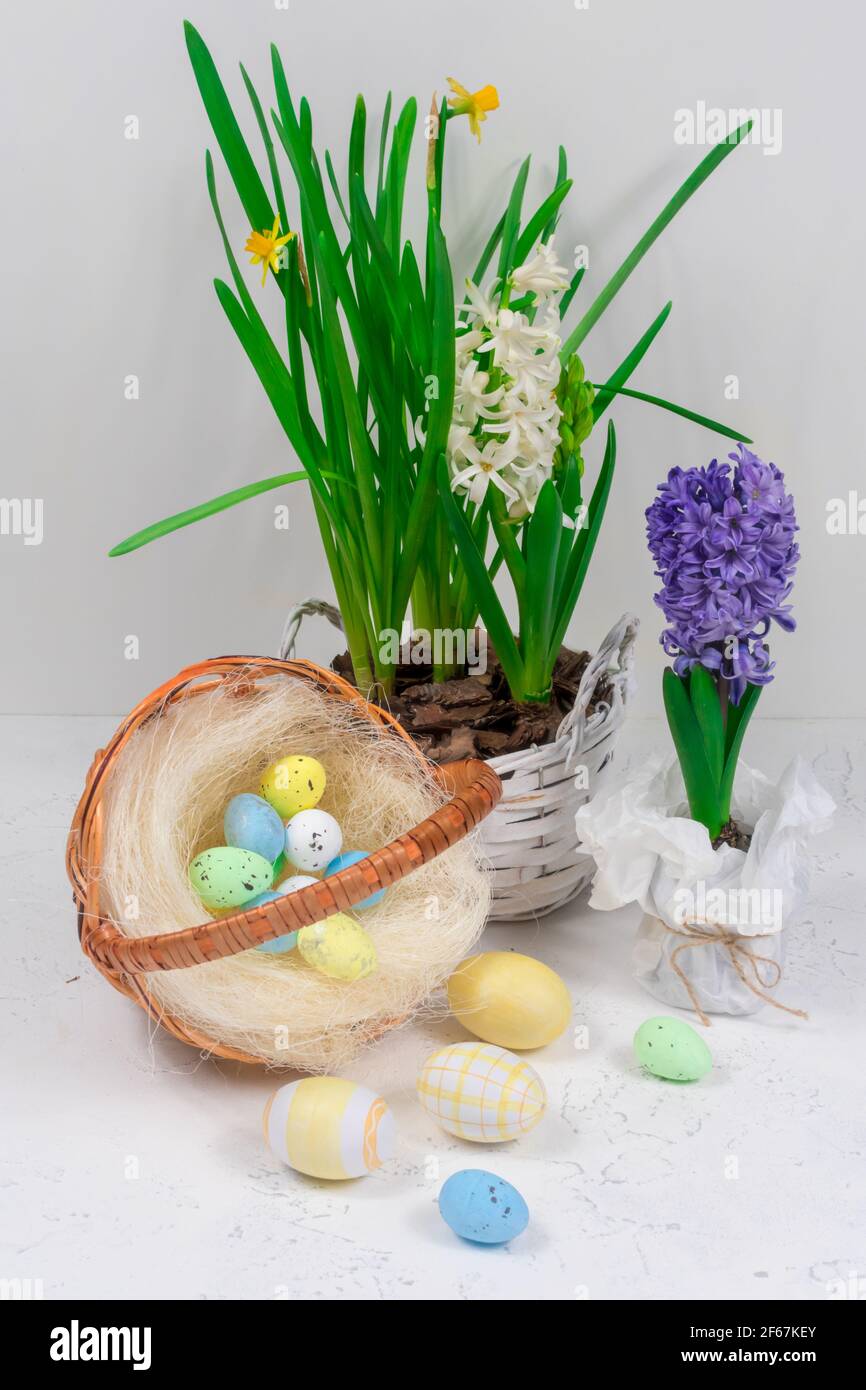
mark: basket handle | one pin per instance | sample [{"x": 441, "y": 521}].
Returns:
[{"x": 474, "y": 789}]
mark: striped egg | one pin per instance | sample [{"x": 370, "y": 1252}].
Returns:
[
  {"x": 481, "y": 1092},
  {"x": 329, "y": 1128}
]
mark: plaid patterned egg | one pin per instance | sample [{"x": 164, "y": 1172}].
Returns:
[{"x": 481, "y": 1092}]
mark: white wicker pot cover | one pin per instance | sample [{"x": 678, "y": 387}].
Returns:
[{"x": 530, "y": 839}]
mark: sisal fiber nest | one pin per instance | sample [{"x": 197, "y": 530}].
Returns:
[{"x": 156, "y": 797}]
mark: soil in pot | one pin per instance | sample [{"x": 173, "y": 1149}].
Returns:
[
  {"x": 731, "y": 834},
  {"x": 475, "y": 716}
]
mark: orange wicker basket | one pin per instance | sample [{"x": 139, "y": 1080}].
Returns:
[{"x": 473, "y": 787}]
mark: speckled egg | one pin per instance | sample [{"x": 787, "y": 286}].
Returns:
[
  {"x": 250, "y": 823},
  {"x": 313, "y": 839},
  {"x": 672, "y": 1049},
  {"x": 482, "y": 1207},
  {"x": 294, "y": 784},
  {"x": 343, "y": 861},
  {"x": 281, "y": 944},
  {"x": 509, "y": 999},
  {"x": 329, "y": 1128},
  {"x": 481, "y": 1092},
  {"x": 228, "y": 877},
  {"x": 339, "y": 947}
]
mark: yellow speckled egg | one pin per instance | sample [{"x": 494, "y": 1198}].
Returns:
[
  {"x": 481, "y": 1092},
  {"x": 339, "y": 947},
  {"x": 329, "y": 1128},
  {"x": 294, "y": 784},
  {"x": 509, "y": 999}
]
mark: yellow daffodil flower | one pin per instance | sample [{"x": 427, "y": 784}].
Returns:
[
  {"x": 475, "y": 105},
  {"x": 265, "y": 247}
]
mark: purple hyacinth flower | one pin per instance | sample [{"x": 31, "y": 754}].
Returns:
[{"x": 723, "y": 541}]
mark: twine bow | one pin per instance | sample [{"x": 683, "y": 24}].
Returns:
[{"x": 741, "y": 958}]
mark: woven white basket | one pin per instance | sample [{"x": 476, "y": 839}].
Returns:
[{"x": 530, "y": 838}]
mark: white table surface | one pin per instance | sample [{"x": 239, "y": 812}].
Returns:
[{"x": 131, "y": 1168}]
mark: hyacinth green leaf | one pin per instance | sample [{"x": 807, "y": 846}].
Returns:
[
  {"x": 512, "y": 222},
  {"x": 618, "y": 379},
  {"x": 704, "y": 696},
  {"x": 536, "y": 228},
  {"x": 701, "y": 787},
  {"x": 204, "y": 509},
  {"x": 245, "y": 175},
  {"x": 708, "y": 164},
  {"x": 269, "y": 153},
  {"x": 543, "y": 537},
  {"x": 566, "y": 299},
  {"x": 676, "y": 410},
  {"x": 738, "y": 721},
  {"x": 480, "y": 583},
  {"x": 584, "y": 545},
  {"x": 561, "y": 176}
]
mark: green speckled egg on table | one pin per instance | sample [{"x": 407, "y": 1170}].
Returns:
[
  {"x": 228, "y": 877},
  {"x": 672, "y": 1049}
]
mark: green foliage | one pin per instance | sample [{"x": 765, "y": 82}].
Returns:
[
  {"x": 369, "y": 348},
  {"x": 708, "y": 737}
]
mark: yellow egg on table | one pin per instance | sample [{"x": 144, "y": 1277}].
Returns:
[
  {"x": 339, "y": 947},
  {"x": 480, "y": 1092},
  {"x": 329, "y": 1128},
  {"x": 294, "y": 784},
  {"x": 509, "y": 999}
]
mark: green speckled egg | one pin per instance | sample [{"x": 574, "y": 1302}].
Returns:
[
  {"x": 227, "y": 877},
  {"x": 670, "y": 1048}
]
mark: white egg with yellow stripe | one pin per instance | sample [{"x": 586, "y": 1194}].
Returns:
[
  {"x": 481, "y": 1092},
  {"x": 329, "y": 1128}
]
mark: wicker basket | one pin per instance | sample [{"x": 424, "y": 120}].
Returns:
[
  {"x": 530, "y": 839},
  {"x": 125, "y": 961}
]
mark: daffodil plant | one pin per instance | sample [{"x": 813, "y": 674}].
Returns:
[{"x": 434, "y": 453}]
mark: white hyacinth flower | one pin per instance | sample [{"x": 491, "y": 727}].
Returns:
[{"x": 543, "y": 275}]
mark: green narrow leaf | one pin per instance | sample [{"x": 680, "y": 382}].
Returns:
[
  {"x": 738, "y": 721},
  {"x": 536, "y": 227},
  {"x": 512, "y": 222},
  {"x": 480, "y": 584},
  {"x": 708, "y": 164},
  {"x": 543, "y": 535},
  {"x": 566, "y": 299},
  {"x": 675, "y": 410},
  {"x": 245, "y": 175},
  {"x": 584, "y": 545},
  {"x": 704, "y": 696},
  {"x": 204, "y": 509},
  {"x": 628, "y": 364},
  {"x": 701, "y": 790}
]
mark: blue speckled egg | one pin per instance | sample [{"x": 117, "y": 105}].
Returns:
[
  {"x": 343, "y": 861},
  {"x": 482, "y": 1207},
  {"x": 250, "y": 823},
  {"x": 281, "y": 944}
]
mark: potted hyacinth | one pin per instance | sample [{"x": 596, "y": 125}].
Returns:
[
  {"x": 443, "y": 436},
  {"x": 713, "y": 851}
]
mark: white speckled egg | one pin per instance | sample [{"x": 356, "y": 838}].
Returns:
[
  {"x": 329, "y": 1128},
  {"x": 313, "y": 839},
  {"x": 481, "y": 1092}
]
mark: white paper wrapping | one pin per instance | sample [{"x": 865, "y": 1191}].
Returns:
[{"x": 648, "y": 850}]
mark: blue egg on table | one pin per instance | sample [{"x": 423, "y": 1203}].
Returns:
[
  {"x": 343, "y": 861},
  {"x": 481, "y": 1207},
  {"x": 250, "y": 823}
]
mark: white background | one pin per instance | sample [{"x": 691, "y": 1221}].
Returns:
[{"x": 108, "y": 249}]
